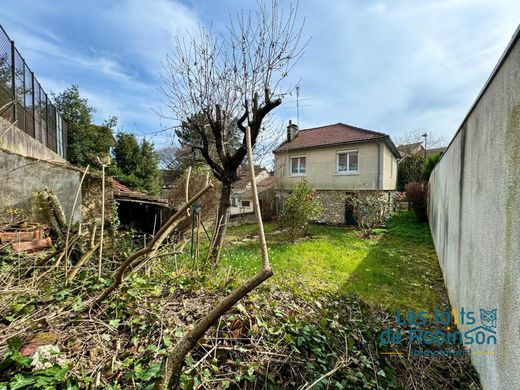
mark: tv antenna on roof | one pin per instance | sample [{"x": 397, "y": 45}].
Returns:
[{"x": 298, "y": 105}]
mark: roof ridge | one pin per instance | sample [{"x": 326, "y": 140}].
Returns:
[{"x": 346, "y": 125}]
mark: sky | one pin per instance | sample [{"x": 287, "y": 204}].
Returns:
[{"x": 389, "y": 66}]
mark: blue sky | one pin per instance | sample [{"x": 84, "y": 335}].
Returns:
[{"x": 390, "y": 66}]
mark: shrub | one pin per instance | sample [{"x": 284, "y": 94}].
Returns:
[
  {"x": 429, "y": 164},
  {"x": 409, "y": 170},
  {"x": 417, "y": 194},
  {"x": 299, "y": 208},
  {"x": 370, "y": 209}
]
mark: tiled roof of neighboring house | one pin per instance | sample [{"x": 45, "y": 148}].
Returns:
[
  {"x": 407, "y": 148},
  {"x": 336, "y": 134},
  {"x": 435, "y": 150},
  {"x": 122, "y": 192},
  {"x": 261, "y": 186},
  {"x": 243, "y": 174}
]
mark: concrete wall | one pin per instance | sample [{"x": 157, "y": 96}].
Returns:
[
  {"x": 16, "y": 141},
  {"x": 22, "y": 176},
  {"x": 321, "y": 168},
  {"x": 474, "y": 212}
]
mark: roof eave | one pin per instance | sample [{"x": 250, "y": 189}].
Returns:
[{"x": 384, "y": 137}]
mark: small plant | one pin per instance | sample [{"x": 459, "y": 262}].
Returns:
[
  {"x": 299, "y": 208},
  {"x": 370, "y": 209},
  {"x": 417, "y": 194}
]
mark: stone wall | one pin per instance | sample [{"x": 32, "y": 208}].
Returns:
[
  {"x": 91, "y": 192},
  {"x": 475, "y": 219},
  {"x": 333, "y": 203}
]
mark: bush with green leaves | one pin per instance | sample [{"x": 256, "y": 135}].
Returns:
[
  {"x": 299, "y": 208},
  {"x": 409, "y": 170},
  {"x": 429, "y": 164},
  {"x": 371, "y": 209}
]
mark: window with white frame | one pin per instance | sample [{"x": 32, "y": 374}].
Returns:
[
  {"x": 297, "y": 165},
  {"x": 347, "y": 161}
]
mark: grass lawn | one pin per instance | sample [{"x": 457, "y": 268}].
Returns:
[{"x": 397, "y": 268}]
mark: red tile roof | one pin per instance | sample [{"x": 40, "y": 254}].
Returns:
[{"x": 338, "y": 133}]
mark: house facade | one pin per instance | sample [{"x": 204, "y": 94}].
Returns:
[
  {"x": 241, "y": 196},
  {"x": 336, "y": 159}
]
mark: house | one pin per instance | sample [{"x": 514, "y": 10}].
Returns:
[
  {"x": 413, "y": 149},
  {"x": 241, "y": 196},
  {"x": 417, "y": 149},
  {"x": 336, "y": 159},
  {"x": 431, "y": 151}
]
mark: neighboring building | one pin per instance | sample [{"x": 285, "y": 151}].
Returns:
[
  {"x": 417, "y": 149},
  {"x": 336, "y": 159},
  {"x": 411, "y": 149},
  {"x": 241, "y": 196},
  {"x": 431, "y": 151}
]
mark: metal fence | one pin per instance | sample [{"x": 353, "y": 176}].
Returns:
[{"x": 23, "y": 100}]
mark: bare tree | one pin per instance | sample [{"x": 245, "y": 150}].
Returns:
[
  {"x": 417, "y": 135},
  {"x": 216, "y": 85},
  {"x": 175, "y": 361}
]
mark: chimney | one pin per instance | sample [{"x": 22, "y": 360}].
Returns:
[{"x": 292, "y": 129}]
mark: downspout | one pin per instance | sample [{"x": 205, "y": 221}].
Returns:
[{"x": 378, "y": 177}]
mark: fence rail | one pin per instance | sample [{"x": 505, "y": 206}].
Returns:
[{"x": 23, "y": 100}]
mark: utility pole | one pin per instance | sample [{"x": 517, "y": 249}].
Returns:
[{"x": 425, "y": 135}]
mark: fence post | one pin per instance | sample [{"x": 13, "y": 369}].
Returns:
[
  {"x": 13, "y": 77},
  {"x": 33, "y": 110}
]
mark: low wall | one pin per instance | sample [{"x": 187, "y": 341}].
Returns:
[
  {"x": 474, "y": 213},
  {"x": 14, "y": 140},
  {"x": 22, "y": 177}
]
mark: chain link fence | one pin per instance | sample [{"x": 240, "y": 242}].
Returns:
[{"x": 23, "y": 100}]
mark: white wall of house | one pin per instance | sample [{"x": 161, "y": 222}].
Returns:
[{"x": 243, "y": 204}]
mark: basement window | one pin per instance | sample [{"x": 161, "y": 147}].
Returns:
[
  {"x": 298, "y": 165},
  {"x": 246, "y": 203},
  {"x": 347, "y": 162}
]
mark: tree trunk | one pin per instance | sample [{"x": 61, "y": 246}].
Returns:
[{"x": 222, "y": 220}]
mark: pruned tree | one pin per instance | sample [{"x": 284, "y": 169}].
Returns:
[{"x": 217, "y": 84}]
